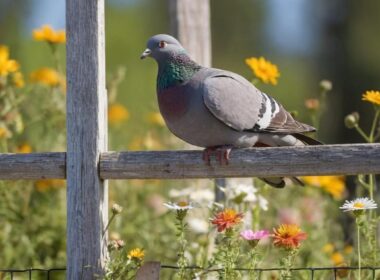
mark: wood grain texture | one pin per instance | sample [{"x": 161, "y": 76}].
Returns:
[
  {"x": 87, "y": 194},
  {"x": 255, "y": 162},
  {"x": 190, "y": 23},
  {"x": 33, "y": 166}
]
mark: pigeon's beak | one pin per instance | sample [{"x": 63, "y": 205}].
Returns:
[{"x": 146, "y": 53}]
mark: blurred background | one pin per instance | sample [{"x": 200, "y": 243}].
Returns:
[
  {"x": 308, "y": 40},
  {"x": 337, "y": 40}
]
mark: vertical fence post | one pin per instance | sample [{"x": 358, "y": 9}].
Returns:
[
  {"x": 87, "y": 194},
  {"x": 190, "y": 23}
]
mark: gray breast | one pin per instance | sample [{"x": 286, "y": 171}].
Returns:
[{"x": 188, "y": 118}]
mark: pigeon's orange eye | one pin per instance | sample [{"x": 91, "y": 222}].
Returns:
[{"x": 162, "y": 44}]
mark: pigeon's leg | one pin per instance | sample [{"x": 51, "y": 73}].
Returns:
[
  {"x": 223, "y": 154},
  {"x": 207, "y": 154}
]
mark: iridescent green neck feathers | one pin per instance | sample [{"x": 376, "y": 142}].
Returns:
[{"x": 176, "y": 70}]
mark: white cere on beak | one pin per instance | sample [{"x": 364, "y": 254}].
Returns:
[{"x": 146, "y": 53}]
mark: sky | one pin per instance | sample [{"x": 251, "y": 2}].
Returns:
[{"x": 52, "y": 12}]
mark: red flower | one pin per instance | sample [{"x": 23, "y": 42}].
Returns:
[
  {"x": 227, "y": 219},
  {"x": 288, "y": 236}
]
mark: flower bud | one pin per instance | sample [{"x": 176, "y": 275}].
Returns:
[
  {"x": 312, "y": 104},
  {"x": 352, "y": 120},
  {"x": 294, "y": 113},
  {"x": 120, "y": 243},
  {"x": 116, "y": 209},
  {"x": 113, "y": 246},
  {"x": 325, "y": 85}
]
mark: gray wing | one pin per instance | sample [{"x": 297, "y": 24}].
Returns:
[{"x": 241, "y": 106}]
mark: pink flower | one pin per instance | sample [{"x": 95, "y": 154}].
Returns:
[{"x": 253, "y": 237}]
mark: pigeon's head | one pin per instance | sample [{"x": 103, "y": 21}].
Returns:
[{"x": 162, "y": 47}]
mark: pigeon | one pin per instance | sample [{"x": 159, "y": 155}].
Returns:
[{"x": 218, "y": 109}]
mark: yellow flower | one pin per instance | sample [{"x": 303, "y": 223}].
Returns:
[
  {"x": 7, "y": 65},
  {"x": 156, "y": 119},
  {"x": 49, "y": 184},
  {"x": 151, "y": 143},
  {"x": 117, "y": 113},
  {"x": 46, "y": 76},
  {"x": 333, "y": 185},
  {"x": 24, "y": 148},
  {"x": 18, "y": 80},
  {"x": 263, "y": 69},
  {"x": 136, "y": 144},
  {"x": 136, "y": 253},
  {"x": 328, "y": 248},
  {"x": 347, "y": 249},
  {"x": 46, "y": 33},
  {"x": 372, "y": 96},
  {"x": 4, "y": 132},
  {"x": 337, "y": 258}
]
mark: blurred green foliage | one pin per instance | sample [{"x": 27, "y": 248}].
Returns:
[{"x": 32, "y": 214}]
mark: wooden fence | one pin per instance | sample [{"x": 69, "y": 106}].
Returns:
[{"x": 87, "y": 164}]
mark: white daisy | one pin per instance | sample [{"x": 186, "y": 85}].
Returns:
[
  {"x": 363, "y": 203},
  {"x": 182, "y": 205}
]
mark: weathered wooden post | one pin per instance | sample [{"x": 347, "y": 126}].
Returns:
[
  {"x": 87, "y": 193},
  {"x": 190, "y": 23}
]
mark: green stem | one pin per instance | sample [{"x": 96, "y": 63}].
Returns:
[
  {"x": 373, "y": 127},
  {"x": 373, "y": 218},
  {"x": 56, "y": 58},
  {"x": 182, "y": 261},
  {"x": 371, "y": 185},
  {"x": 253, "y": 260},
  {"x": 287, "y": 263},
  {"x": 359, "y": 257},
  {"x": 108, "y": 224},
  {"x": 362, "y": 133}
]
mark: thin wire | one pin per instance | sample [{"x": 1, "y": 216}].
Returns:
[{"x": 312, "y": 270}]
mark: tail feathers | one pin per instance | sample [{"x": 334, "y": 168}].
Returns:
[
  {"x": 279, "y": 182},
  {"x": 276, "y": 182},
  {"x": 306, "y": 139}
]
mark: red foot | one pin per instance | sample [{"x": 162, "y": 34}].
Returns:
[
  {"x": 207, "y": 155},
  {"x": 222, "y": 154}
]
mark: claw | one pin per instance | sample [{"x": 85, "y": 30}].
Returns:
[
  {"x": 222, "y": 154},
  {"x": 207, "y": 155}
]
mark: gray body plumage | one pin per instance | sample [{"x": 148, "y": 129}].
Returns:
[
  {"x": 218, "y": 108},
  {"x": 209, "y": 107}
]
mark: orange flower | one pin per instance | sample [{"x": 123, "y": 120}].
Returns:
[
  {"x": 337, "y": 258},
  {"x": 48, "y": 34},
  {"x": 312, "y": 104},
  {"x": 117, "y": 113},
  {"x": 227, "y": 219},
  {"x": 46, "y": 76},
  {"x": 24, "y": 148},
  {"x": 45, "y": 185},
  {"x": 288, "y": 236}
]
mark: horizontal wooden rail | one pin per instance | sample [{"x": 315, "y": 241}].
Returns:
[
  {"x": 259, "y": 162},
  {"x": 33, "y": 166},
  {"x": 347, "y": 159}
]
